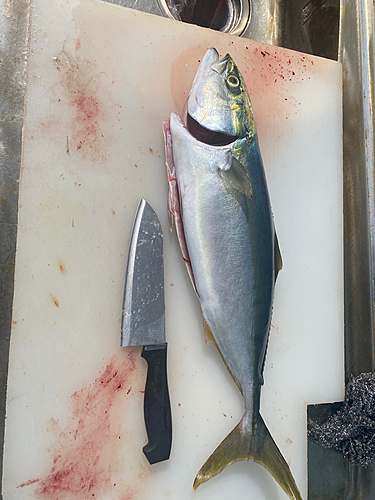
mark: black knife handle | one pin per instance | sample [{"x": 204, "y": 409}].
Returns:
[{"x": 157, "y": 408}]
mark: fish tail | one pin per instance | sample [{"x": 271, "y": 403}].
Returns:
[{"x": 250, "y": 441}]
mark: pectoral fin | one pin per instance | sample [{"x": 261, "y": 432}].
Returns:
[
  {"x": 237, "y": 176},
  {"x": 278, "y": 258}
]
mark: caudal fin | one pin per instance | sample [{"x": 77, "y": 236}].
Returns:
[{"x": 254, "y": 444}]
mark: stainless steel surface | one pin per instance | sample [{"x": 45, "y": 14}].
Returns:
[
  {"x": 356, "y": 52},
  {"x": 143, "y": 315},
  {"x": 357, "y": 56},
  {"x": 14, "y": 17},
  {"x": 228, "y": 16},
  {"x": 319, "y": 26},
  {"x": 306, "y": 25},
  {"x": 150, "y": 6},
  {"x": 266, "y": 21},
  {"x": 266, "y": 17}
]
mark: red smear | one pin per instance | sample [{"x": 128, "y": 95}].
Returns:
[
  {"x": 87, "y": 116},
  {"x": 82, "y": 85},
  {"x": 84, "y": 454},
  {"x": 32, "y": 481},
  {"x": 127, "y": 496}
]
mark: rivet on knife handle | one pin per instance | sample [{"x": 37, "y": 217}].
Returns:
[
  {"x": 143, "y": 323},
  {"x": 157, "y": 410}
]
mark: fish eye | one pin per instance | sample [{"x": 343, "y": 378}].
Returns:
[{"x": 233, "y": 81}]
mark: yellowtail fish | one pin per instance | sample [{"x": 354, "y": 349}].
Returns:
[{"x": 219, "y": 199}]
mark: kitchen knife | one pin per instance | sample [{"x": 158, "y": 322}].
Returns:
[{"x": 143, "y": 323}]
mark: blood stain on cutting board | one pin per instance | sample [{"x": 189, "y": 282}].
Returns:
[
  {"x": 273, "y": 74},
  {"x": 55, "y": 301},
  {"x": 81, "y": 85},
  {"x": 62, "y": 267},
  {"x": 85, "y": 453}
]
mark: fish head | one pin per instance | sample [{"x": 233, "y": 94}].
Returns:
[{"x": 218, "y": 110}]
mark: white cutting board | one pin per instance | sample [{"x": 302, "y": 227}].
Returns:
[{"x": 100, "y": 81}]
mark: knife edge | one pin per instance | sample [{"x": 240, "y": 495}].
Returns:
[{"x": 128, "y": 290}]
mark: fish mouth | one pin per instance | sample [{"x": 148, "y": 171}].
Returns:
[
  {"x": 219, "y": 66},
  {"x": 207, "y": 136}
]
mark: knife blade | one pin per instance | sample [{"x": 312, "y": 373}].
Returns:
[{"x": 143, "y": 323}]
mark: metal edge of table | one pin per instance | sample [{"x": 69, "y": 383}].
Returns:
[{"x": 14, "y": 16}]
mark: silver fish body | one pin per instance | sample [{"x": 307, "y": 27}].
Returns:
[
  {"x": 230, "y": 239},
  {"x": 227, "y": 236}
]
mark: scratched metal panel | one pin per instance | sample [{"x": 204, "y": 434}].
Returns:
[
  {"x": 13, "y": 35},
  {"x": 358, "y": 59},
  {"x": 356, "y": 52}
]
